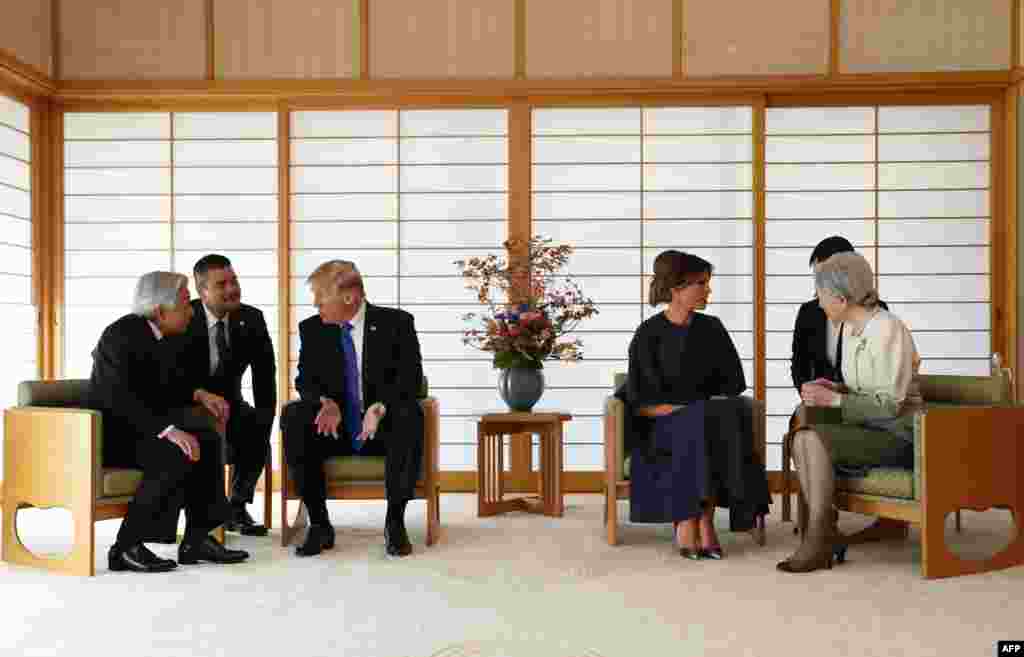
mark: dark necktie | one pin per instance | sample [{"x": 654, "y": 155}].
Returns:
[
  {"x": 352, "y": 411},
  {"x": 223, "y": 352}
]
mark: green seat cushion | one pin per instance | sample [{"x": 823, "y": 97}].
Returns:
[
  {"x": 355, "y": 468},
  {"x": 883, "y": 482},
  {"x": 119, "y": 482}
]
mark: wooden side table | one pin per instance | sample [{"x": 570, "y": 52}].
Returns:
[{"x": 490, "y": 433}]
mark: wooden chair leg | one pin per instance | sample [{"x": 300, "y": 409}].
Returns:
[
  {"x": 268, "y": 492},
  {"x": 787, "y": 482},
  {"x": 432, "y": 515},
  {"x": 289, "y": 531},
  {"x": 611, "y": 514}
]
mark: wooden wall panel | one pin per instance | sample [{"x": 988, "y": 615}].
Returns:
[
  {"x": 442, "y": 39},
  {"x": 925, "y": 35},
  {"x": 1019, "y": 182},
  {"x": 598, "y": 38},
  {"x": 131, "y": 39},
  {"x": 296, "y": 39},
  {"x": 26, "y": 32},
  {"x": 739, "y": 37}
]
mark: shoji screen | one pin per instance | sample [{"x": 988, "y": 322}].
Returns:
[
  {"x": 908, "y": 186},
  {"x": 933, "y": 231},
  {"x": 16, "y": 302},
  {"x": 159, "y": 191},
  {"x": 453, "y": 191},
  {"x": 225, "y": 201},
  {"x": 117, "y": 209},
  {"x": 403, "y": 194},
  {"x": 622, "y": 185}
]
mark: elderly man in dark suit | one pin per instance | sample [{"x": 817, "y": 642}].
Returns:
[
  {"x": 148, "y": 400},
  {"x": 359, "y": 371},
  {"x": 227, "y": 337}
]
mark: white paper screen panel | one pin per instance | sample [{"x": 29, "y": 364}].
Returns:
[
  {"x": 148, "y": 191},
  {"x": 404, "y": 194},
  {"x": 621, "y": 185},
  {"x": 910, "y": 188},
  {"x": 226, "y": 202},
  {"x": 16, "y": 302},
  {"x": 117, "y": 220}
]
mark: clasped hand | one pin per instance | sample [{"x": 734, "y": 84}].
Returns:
[
  {"x": 820, "y": 392},
  {"x": 329, "y": 419},
  {"x": 217, "y": 406}
]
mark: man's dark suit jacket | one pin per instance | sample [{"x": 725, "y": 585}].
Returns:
[
  {"x": 250, "y": 346},
  {"x": 810, "y": 339},
  {"x": 139, "y": 383},
  {"x": 392, "y": 367}
]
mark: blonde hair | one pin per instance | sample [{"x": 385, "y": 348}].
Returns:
[
  {"x": 849, "y": 276},
  {"x": 329, "y": 279}
]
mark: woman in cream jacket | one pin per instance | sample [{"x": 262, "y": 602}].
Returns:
[{"x": 872, "y": 420}]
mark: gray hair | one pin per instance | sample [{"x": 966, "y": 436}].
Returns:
[
  {"x": 848, "y": 276},
  {"x": 157, "y": 289}
]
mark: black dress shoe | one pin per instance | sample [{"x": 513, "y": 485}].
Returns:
[
  {"x": 139, "y": 559},
  {"x": 396, "y": 540},
  {"x": 243, "y": 523},
  {"x": 209, "y": 550},
  {"x": 318, "y": 539}
]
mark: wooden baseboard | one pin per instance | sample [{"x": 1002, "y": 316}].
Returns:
[{"x": 575, "y": 482}]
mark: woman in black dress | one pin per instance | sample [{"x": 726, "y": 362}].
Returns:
[{"x": 689, "y": 451}]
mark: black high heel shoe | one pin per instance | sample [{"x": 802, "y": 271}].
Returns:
[{"x": 839, "y": 553}]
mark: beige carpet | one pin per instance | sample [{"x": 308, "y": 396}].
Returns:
[{"x": 512, "y": 586}]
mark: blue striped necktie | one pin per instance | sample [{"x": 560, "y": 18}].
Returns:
[{"x": 352, "y": 412}]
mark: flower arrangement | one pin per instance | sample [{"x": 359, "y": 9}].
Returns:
[{"x": 550, "y": 306}]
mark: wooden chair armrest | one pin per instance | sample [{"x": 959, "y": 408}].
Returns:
[
  {"x": 614, "y": 439},
  {"x": 51, "y": 455}
]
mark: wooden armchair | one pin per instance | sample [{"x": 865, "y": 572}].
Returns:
[
  {"x": 53, "y": 447},
  {"x": 617, "y": 461},
  {"x": 968, "y": 451},
  {"x": 362, "y": 477}
]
